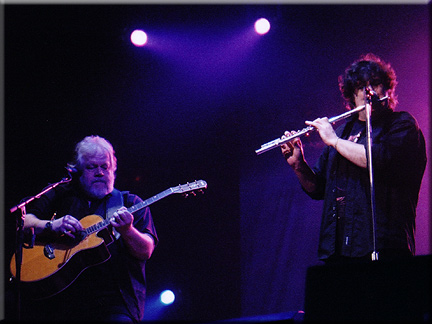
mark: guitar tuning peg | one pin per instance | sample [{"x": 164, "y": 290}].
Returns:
[
  {"x": 193, "y": 193},
  {"x": 201, "y": 191},
  {"x": 185, "y": 195}
]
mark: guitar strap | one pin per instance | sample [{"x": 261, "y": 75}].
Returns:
[{"x": 112, "y": 204}]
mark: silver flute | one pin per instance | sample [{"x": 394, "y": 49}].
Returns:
[{"x": 279, "y": 141}]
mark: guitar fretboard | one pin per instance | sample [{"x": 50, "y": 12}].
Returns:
[
  {"x": 98, "y": 226},
  {"x": 151, "y": 200},
  {"x": 102, "y": 224}
]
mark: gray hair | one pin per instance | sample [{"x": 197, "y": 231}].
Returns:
[{"x": 90, "y": 146}]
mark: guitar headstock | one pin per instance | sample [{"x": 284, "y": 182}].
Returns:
[{"x": 190, "y": 187}]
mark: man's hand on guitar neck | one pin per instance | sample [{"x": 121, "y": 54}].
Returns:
[{"x": 122, "y": 220}]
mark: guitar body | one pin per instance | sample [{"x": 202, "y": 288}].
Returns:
[{"x": 44, "y": 277}]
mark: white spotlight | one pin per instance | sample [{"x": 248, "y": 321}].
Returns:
[
  {"x": 167, "y": 297},
  {"x": 138, "y": 38},
  {"x": 262, "y": 26}
]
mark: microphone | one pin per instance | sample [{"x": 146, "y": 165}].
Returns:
[
  {"x": 371, "y": 94},
  {"x": 69, "y": 168}
]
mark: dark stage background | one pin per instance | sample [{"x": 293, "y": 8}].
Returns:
[{"x": 195, "y": 104}]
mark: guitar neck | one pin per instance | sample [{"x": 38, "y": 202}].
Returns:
[
  {"x": 151, "y": 200},
  {"x": 200, "y": 184},
  {"x": 101, "y": 225}
]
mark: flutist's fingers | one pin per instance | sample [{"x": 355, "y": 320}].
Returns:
[
  {"x": 325, "y": 129},
  {"x": 294, "y": 141},
  {"x": 288, "y": 147}
]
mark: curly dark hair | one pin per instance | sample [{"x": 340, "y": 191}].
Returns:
[{"x": 370, "y": 69}]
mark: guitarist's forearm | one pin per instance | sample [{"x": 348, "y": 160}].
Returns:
[
  {"x": 139, "y": 245},
  {"x": 31, "y": 220}
]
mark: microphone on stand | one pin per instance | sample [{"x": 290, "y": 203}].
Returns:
[
  {"x": 371, "y": 94},
  {"x": 373, "y": 98},
  {"x": 70, "y": 169}
]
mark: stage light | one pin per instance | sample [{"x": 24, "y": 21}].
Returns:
[
  {"x": 138, "y": 38},
  {"x": 167, "y": 297},
  {"x": 262, "y": 26}
]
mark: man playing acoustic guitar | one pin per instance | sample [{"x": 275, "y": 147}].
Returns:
[{"x": 99, "y": 277}]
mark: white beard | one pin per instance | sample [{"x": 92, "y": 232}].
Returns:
[{"x": 98, "y": 190}]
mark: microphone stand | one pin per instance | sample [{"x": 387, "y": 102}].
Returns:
[
  {"x": 368, "y": 110},
  {"x": 20, "y": 237}
]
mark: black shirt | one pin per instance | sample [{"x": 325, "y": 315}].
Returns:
[{"x": 399, "y": 160}]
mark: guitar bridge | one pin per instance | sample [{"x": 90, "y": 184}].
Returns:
[{"x": 49, "y": 252}]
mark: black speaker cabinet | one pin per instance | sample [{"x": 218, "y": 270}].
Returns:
[{"x": 375, "y": 291}]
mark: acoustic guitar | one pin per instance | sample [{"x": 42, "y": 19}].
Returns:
[{"x": 49, "y": 268}]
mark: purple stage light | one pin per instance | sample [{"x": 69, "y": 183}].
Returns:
[
  {"x": 262, "y": 26},
  {"x": 138, "y": 38}
]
